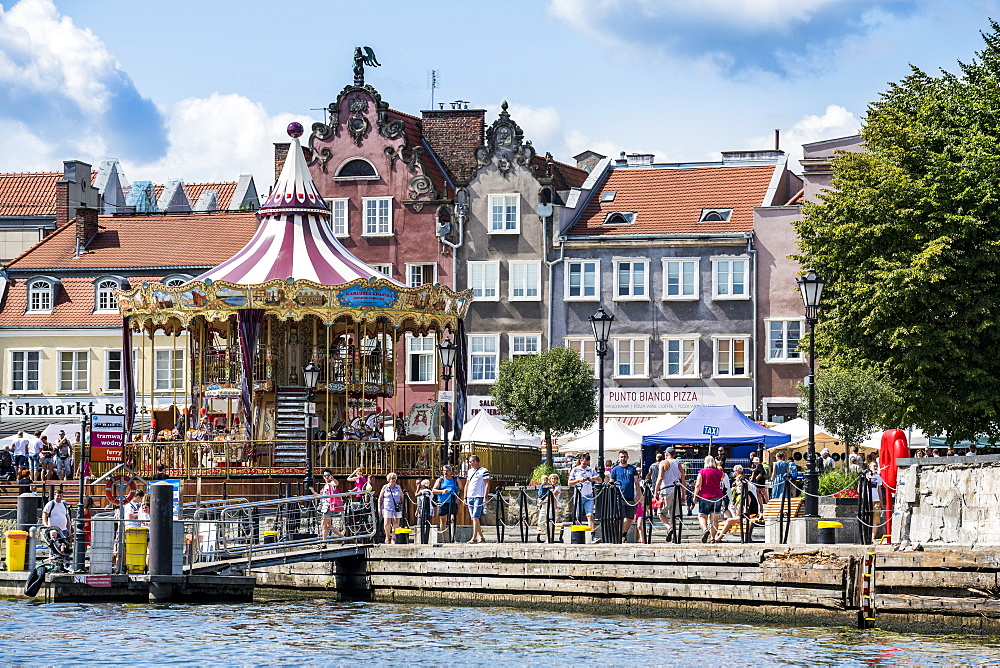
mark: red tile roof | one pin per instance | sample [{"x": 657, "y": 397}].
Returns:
[
  {"x": 74, "y": 305},
  {"x": 414, "y": 134},
  {"x": 144, "y": 240},
  {"x": 670, "y": 200},
  {"x": 28, "y": 193},
  {"x": 224, "y": 194},
  {"x": 566, "y": 176}
]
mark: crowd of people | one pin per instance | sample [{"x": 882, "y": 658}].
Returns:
[{"x": 37, "y": 458}]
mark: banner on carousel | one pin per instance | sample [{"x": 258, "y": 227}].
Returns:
[
  {"x": 107, "y": 438},
  {"x": 361, "y": 296}
]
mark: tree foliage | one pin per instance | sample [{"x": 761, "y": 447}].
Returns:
[
  {"x": 551, "y": 393},
  {"x": 852, "y": 403},
  {"x": 909, "y": 245}
]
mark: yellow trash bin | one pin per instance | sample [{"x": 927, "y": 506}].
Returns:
[
  {"x": 136, "y": 539},
  {"x": 17, "y": 550}
]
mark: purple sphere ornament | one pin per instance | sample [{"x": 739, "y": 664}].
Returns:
[{"x": 294, "y": 129}]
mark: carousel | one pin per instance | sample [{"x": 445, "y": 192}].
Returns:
[{"x": 291, "y": 331}]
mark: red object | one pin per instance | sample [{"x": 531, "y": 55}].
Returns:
[
  {"x": 203, "y": 411},
  {"x": 893, "y": 447},
  {"x": 116, "y": 483},
  {"x": 152, "y": 424}
]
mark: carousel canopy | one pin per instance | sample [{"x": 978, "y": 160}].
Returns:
[{"x": 294, "y": 239}]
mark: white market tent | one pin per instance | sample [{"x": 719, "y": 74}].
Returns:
[
  {"x": 656, "y": 425},
  {"x": 486, "y": 428},
  {"x": 616, "y": 437}
]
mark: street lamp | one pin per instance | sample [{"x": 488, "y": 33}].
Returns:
[
  {"x": 811, "y": 287},
  {"x": 310, "y": 373},
  {"x": 601, "y": 322},
  {"x": 446, "y": 351}
]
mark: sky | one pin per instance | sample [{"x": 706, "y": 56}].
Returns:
[{"x": 200, "y": 90}]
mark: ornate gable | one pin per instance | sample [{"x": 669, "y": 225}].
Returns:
[{"x": 505, "y": 144}]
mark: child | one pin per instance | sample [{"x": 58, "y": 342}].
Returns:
[{"x": 547, "y": 510}]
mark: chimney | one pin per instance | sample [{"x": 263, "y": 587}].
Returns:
[
  {"x": 86, "y": 227},
  {"x": 639, "y": 158},
  {"x": 588, "y": 160},
  {"x": 454, "y": 135},
  {"x": 280, "y": 153}
]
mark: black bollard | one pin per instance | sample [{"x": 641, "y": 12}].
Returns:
[
  {"x": 161, "y": 528},
  {"x": 29, "y": 506}
]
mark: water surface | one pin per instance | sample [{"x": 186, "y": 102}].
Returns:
[{"x": 322, "y": 632}]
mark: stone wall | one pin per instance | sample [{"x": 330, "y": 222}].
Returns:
[{"x": 949, "y": 500}]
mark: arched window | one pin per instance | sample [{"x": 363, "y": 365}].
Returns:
[
  {"x": 175, "y": 280},
  {"x": 40, "y": 296},
  {"x": 620, "y": 218},
  {"x": 105, "y": 295},
  {"x": 357, "y": 167}
]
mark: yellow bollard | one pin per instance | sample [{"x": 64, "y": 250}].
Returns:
[
  {"x": 17, "y": 550},
  {"x": 136, "y": 539}
]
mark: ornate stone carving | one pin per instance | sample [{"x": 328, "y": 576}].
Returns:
[
  {"x": 390, "y": 129},
  {"x": 505, "y": 145}
]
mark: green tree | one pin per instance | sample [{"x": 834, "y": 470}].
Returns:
[
  {"x": 908, "y": 242},
  {"x": 551, "y": 393},
  {"x": 853, "y": 403}
]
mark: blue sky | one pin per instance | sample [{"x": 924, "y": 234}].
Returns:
[{"x": 200, "y": 90}]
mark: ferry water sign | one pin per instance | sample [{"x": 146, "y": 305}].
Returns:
[{"x": 107, "y": 438}]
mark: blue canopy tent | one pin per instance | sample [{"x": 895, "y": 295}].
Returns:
[{"x": 735, "y": 429}]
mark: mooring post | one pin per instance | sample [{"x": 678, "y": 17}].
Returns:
[
  {"x": 161, "y": 528},
  {"x": 28, "y": 506}
]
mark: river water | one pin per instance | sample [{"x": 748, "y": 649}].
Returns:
[{"x": 323, "y": 632}]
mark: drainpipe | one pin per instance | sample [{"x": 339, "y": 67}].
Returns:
[
  {"x": 461, "y": 211},
  {"x": 551, "y": 266},
  {"x": 752, "y": 252}
]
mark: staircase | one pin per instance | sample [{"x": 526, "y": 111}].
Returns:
[{"x": 290, "y": 426}]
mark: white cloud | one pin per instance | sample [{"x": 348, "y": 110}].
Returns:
[{"x": 834, "y": 122}]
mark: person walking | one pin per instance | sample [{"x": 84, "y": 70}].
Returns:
[
  {"x": 390, "y": 501},
  {"x": 56, "y": 516},
  {"x": 758, "y": 484},
  {"x": 735, "y": 503},
  {"x": 548, "y": 504},
  {"x": 779, "y": 473},
  {"x": 47, "y": 459},
  {"x": 626, "y": 478},
  {"x": 20, "y": 452},
  {"x": 670, "y": 481},
  {"x": 64, "y": 457},
  {"x": 583, "y": 477},
  {"x": 34, "y": 455},
  {"x": 331, "y": 506},
  {"x": 477, "y": 486},
  {"x": 708, "y": 490}
]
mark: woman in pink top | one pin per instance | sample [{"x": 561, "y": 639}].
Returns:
[{"x": 708, "y": 490}]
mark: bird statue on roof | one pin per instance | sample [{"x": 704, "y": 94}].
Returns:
[{"x": 363, "y": 55}]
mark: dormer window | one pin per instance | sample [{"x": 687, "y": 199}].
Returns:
[
  {"x": 175, "y": 280},
  {"x": 620, "y": 218},
  {"x": 608, "y": 196},
  {"x": 41, "y": 295},
  {"x": 715, "y": 215},
  {"x": 105, "y": 295},
  {"x": 357, "y": 168}
]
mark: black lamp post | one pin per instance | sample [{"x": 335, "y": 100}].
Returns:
[
  {"x": 80, "y": 534},
  {"x": 446, "y": 351},
  {"x": 310, "y": 373},
  {"x": 601, "y": 322},
  {"x": 811, "y": 287}
]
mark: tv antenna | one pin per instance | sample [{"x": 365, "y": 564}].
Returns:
[{"x": 433, "y": 81}]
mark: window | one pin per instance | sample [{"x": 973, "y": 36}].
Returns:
[
  {"x": 382, "y": 267},
  {"x": 168, "y": 373},
  {"x": 631, "y": 359},
  {"x": 586, "y": 349},
  {"x": 619, "y": 218},
  {"x": 680, "y": 279},
  {"x": 525, "y": 344},
  {"x": 420, "y": 352},
  {"x": 731, "y": 356},
  {"x": 40, "y": 296},
  {"x": 631, "y": 280},
  {"x": 484, "y": 279},
  {"x": 608, "y": 196},
  {"x": 504, "y": 214},
  {"x": 525, "y": 281},
  {"x": 715, "y": 215},
  {"x": 783, "y": 340},
  {"x": 105, "y": 296},
  {"x": 113, "y": 371},
  {"x": 484, "y": 357},
  {"x": 680, "y": 356},
  {"x": 582, "y": 280},
  {"x": 730, "y": 278},
  {"x": 338, "y": 216},
  {"x": 24, "y": 368},
  {"x": 357, "y": 168},
  {"x": 420, "y": 274},
  {"x": 174, "y": 281},
  {"x": 378, "y": 216},
  {"x": 73, "y": 370}
]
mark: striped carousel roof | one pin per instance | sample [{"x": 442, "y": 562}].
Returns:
[{"x": 294, "y": 239}]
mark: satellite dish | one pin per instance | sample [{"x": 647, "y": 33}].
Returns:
[{"x": 544, "y": 210}]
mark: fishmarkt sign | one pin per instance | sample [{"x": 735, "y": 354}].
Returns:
[{"x": 71, "y": 407}]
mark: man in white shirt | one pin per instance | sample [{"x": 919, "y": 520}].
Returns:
[
  {"x": 34, "y": 456},
  {"x": 583, "y": 477},
  {"x": 477, "y": 486},
  {"x": 20, "y": 452},
  {"x": 55, "y": 515}
]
